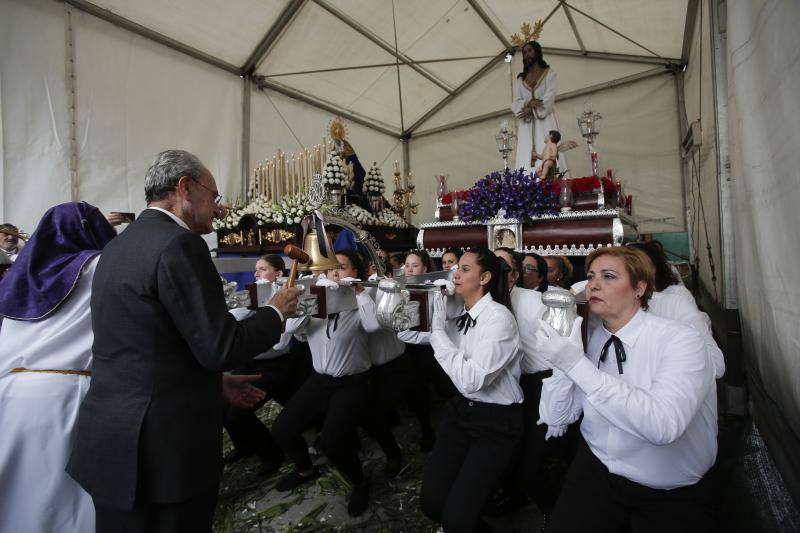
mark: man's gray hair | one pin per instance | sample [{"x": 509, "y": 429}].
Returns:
[{"x": 163, "y": 175}]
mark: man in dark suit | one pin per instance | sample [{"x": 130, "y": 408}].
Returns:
[{"x": 149, "y": 434}]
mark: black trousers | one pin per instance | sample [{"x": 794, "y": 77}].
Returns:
[
  {"x": 393, "y": 382},
  {"x": 474, "y": 444},
  {"x": 195, "y": 515},
  {"x": 341, "y": 401},
  {"x": 280, "y": 379},
  {"x": 532, "y": 474},
  {"x": 595, "y": 500}
]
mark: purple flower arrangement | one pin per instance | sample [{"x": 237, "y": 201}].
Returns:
[{"x": 522, "y": 195}]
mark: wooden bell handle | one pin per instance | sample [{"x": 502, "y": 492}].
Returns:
[{"x": 297, "y": 255}]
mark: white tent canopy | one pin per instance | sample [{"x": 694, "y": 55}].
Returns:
[{"x": 424, "y": 77}]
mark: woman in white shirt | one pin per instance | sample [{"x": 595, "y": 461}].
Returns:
[
  {"x": 482, "y": 425},
  {"x": 337, "y": 389},
  {"x": 646, "y": 391},
  {"x": 282, "y": 369}
]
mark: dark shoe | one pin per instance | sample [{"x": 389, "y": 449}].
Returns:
[
  {"x": 427, "y": 439},
  {"x": 295, "y": 479},
  {"x": 268, "y": 467},
  {"x": 234, "y": 455},
  {"x": 394, "y": 464},
  {"x": 359, "y": 499}
]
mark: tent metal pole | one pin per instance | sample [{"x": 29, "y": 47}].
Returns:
[
  {"x": 688, "y": 30},
  {"x": 460, "y": 89},
  {"x": 122, "y": 22},
  {"x": 327, "y": 106},
  {"x": 658, "y": 71},
  {"x": 683, "y": 126},
  {"x": 719, "y": 79},
  {"x": 382, "y": 44},
  {"x": 609, "y": 28},
  {"x": 246, "y": 106},
  {"x": 490, "y": 24},
  {"x": 373, "y": 65},
  {"x": 631, "y": 58},
  {"x": 571, "y": 20},
  {"x": 273, "y": 33}
]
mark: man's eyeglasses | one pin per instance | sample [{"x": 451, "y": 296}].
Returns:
[{"x": 217, "y": 195}]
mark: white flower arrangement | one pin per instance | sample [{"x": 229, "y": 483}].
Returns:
[
  {"x": 387, "y": 217},
  {"x": 373, "y": 182},
  {"x": 334, "y": 175},
  {"x": 361, "y": 215},
  {"x": 290, "y": 210}
]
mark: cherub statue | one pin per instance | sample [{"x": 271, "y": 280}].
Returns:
[{"x": 549, "y": 156}]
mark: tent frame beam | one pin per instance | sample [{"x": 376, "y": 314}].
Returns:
[
  {"x": 629, "y": 58},
  {"x": 271, "y": 37},
  {"x": 688, "y": 31},
  {"x": 609, "y": 28},
  {"x": 401, "y": 57},
  {"x": 658, "y": 71},
  {"x": 490, "y": 24},
  {"x": 450, "y": 97},
  {"x": 572, "y": 24},
  {"x": 313, "y": 101},
  {"x": 147, "y": 33}
]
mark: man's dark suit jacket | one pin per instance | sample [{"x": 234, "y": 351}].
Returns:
[{"x": 150, "y": 427}]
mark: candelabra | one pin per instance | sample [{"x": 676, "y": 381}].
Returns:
[
  {"x": 404, "y": 204},
  {"x": 505, "y": 140},
  {"x": 589, "y": 123}
]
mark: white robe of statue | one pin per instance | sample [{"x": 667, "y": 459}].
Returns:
[
  {"x": 532, "y": 132},
  {"x": 38, "y": 413}
]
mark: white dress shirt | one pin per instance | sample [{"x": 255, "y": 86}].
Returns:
[
  {"x": 679, "y": 289},
  {"x": 527, "y": 306},
  {"x": 346, "y": 351},
  {"x": 483, "y": 363},
  {"x": 677, "y": 308},
  {"x": 656, "y": 423}
]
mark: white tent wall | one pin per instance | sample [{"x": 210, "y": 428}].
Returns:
[
  {"x": 276, "y": 120},
  {"x": 33, "y": 110},
  {"x": 136, "y": 98},
  {"x": 637, "y": 140},
  {"x": 701, "y": 188},
  {"x": 763, "y": 84}
]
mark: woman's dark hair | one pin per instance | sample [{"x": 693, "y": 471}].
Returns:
[
  {"x": 655, "y": 251},
  {"x": 275, "y": 261},
  {"x": 517, "y": 258},
  {"x": 357, "y": 261},
  {"x": 399, "y": 258},
  {"x": 426, "y": 259},
  {"x": 458, "y": 252},
  {"x": 539, "y": 58},
  {"x": 488, "y": 262},
  {"x": 541, "y": 269}
]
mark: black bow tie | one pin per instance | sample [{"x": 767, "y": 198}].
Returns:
[
  {"x": 335, "y": 317},
  {"x": 464, "y": 322},
  {"x": 618, "y": 348}
]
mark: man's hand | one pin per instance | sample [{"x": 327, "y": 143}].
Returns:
[
  {"x": 285, "y": 300},
  {"x": 525, "y": 114},
  {"x": 237, "y": 391},
  {"x": 535, "y": 102}
]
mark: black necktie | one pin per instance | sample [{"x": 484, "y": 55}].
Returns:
[
  {"x": 335, "y": 317},
  {"x": 464, "y": 322},
  {"x": 618, "y": 348}
]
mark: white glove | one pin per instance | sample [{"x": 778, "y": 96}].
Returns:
[
  {"x": 561, "y": 352},
  {"x": 328, "y": 283},
  {"x": 451, "y": 288},
  {"x": 552, "y": 431},
  {"x": 555, "y": 431},
  {"x": 348, "y": 281},
  {"x": 439, "y": 312},
  {"x": 373, "y": 277}
]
